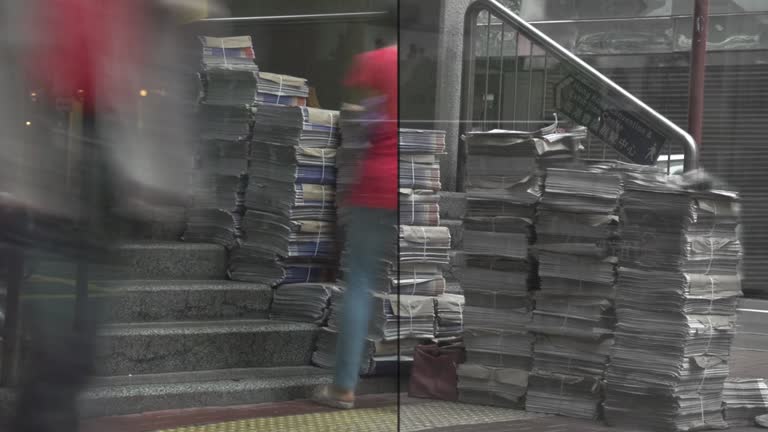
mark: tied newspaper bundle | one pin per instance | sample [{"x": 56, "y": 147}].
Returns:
[
  {"x": 449, "y": 315},
  {"x": 495, "y": 281},
  {"x": 219, "y": 182},
  {"x": 228, "y": 53},
  {"x": 676, "y": 299},
  {"x": 229, "y": 75},
  {"x": 218, "y": 192},
  {"x": 281, "y": 90},
  {"x": 303, "y": 302},
  {"x": 424, "y": 245},
  {"x": 576, "y": 227},
  {"x": 419, "y": 176},
  {"x": 496, "y": 270},
  {"x": 419, "y": 207},
  {"x": 744, "y": 399},
  {"x": 381, "y": 353},
  {"x": 228, "y": 86},
  {"x": 423, "y": 250},
  {"x": 290, "y": 223}
]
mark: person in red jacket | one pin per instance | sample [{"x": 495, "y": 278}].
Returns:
[{"x": 372, "y": 206}]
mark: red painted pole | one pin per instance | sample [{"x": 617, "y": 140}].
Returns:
[{"x": 698, "y": 70}]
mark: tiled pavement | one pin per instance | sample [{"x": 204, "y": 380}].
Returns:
[{"x": 375, "y": 414}]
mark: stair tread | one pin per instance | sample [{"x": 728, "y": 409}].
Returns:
[
  {"x": 179, "y": 285},
  {"x": 167, "y": 244},
  {"x": 199, "y": 327},
  {"x": 210, "y": 376}
]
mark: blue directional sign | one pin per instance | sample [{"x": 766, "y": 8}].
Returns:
[{"x": 606, "y": 119}]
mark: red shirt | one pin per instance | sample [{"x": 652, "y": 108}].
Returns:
[
  {"x": 378, "y": 178},
  {"x": 79, "y": 43}
]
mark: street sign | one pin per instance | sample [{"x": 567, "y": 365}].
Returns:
[{"x": 609, "y": 121}]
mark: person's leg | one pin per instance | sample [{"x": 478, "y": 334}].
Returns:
[{"x": 369, "y": 234}]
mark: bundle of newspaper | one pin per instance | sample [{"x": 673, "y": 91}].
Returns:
[
  {"x": 419, "y": 207},
  {"x": 379, "y": 357},
  {"x": 675, "y": 303},
  {"x": 303, "y": 302},
  {"x": 496, "y": 271},
  {"x": 289, "y": 229},
  {"x": 574, "y": 319},
  {"x": 744, "y": 399},
  {"x": 223, "y": 86},
  {"x": 449, "y": 325},
  {"x": 218, "y": 192},
  {"x": 423, "y": 245},
  {"x": 225, "y": 122},
  {"x": 281, "y": 90},
  {"x": 230, "y": 53},
  {"x": 421, "y": 142}
]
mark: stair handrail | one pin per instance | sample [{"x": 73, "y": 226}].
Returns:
[{"x": 536, "y": 36}]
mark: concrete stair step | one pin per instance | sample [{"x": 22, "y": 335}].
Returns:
[
  {"x": 166, "y": 261},
  {"x": 167, "y": 223},
  {"x": 157, "y": 301},
  {"x": 145, "y": 260},
  {"x": 216, "y": 388},
  {"x": 145, "y": 348}
]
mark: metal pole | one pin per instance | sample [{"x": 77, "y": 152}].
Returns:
[{"x": 698, "y": 69}]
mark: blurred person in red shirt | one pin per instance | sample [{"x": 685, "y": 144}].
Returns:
[
  {"x": 371, "y": 205},
  {"x": 114, "y": 57}
]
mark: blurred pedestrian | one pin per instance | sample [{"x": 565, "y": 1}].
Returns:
[
  {"x": 372, "y": 206},
  {"x": 104, "y": 57}
]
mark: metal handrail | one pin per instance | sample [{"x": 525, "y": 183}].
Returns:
[
  {"x": 292, "y": 18},
  {"x": 602, "y": 83}
]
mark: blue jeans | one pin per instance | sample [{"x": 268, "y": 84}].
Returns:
[{"x": 370, "y": 234}]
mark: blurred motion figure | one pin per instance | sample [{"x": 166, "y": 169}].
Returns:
[
  {"x": 370, "y": 233},
  {"x": 120, "y": 62}
]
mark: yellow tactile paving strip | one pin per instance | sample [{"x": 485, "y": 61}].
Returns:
[
  {"x": 362, "y": 420},
  {"x": 412, "y": 417}
]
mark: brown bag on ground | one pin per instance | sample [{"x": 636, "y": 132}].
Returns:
[{"x": 433, "y": 374}]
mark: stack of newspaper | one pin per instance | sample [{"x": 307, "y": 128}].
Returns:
[
  {"x": 675, "y": 303},
  {"x": 281, "y": 90},
  {"x": 449, "y": 326},
  {"x": 496, "y": 269},
  {"x": 419, "y": 207},
  {"x": 424, "y": 244},
  {"x": 218, "y": 192},
  {"x": 222, "y": 86},
  {"x": 744, "y": 399},
  {"x": 228, "y": 53},
  {"x": 219, "y": 181},
  {"x": 303, "y": 302},
  {"x": 289, "y": 229},
  {"x": 225, "y": 122},
  {"x": 576, "y": 227}
]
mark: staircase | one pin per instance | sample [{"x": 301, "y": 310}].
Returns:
[{"x": 176, "y": 334}]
